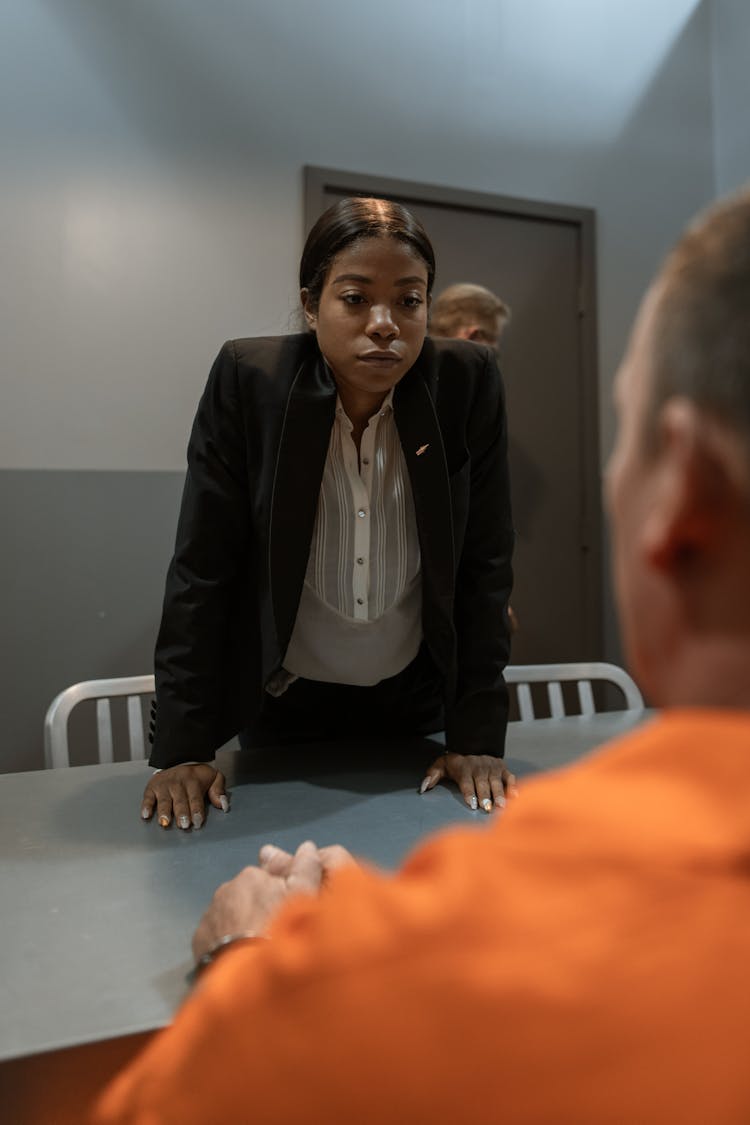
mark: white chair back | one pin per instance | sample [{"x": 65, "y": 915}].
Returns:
[
  {"x": 522, "y": 676},
  {"x": 56, "y": 752}
]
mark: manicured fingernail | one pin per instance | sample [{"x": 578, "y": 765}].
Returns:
[
  {"x": 423, "y": 786},
  {"x": 474, "y": 804},
  {"x": 144, "y": 813},
  {"x": 164, "y": 821},
  {"x": 184, "y": 821},
  {"x": 197, "y": 820},
  {"x": 500, "y": 802},
  {"x": 268, "y": 851},
  {"x": 224, "y": 802},
  {"x": 487, "y": 804}
]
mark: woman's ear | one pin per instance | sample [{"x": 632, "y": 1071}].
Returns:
[{"x": 310, "y": 316}]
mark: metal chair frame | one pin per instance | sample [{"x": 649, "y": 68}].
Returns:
[
  {"x": 554, "y": 675},
  {"x": 56, "y": 754}
]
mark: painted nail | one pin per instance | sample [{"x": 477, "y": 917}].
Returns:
[
  {"x": 474, "y": 804},
  {"x": 197, "y": 820},
  {"x": 184, "y": 821},
  {"x": 224, "y": 802},
  {"x": 164, "y": 821},
  {"x": 144, "y": 813},
  {"x": 487, "y": 804},
  {"x": 423, "y": 786},
  {"x": 500, "y": 802}
]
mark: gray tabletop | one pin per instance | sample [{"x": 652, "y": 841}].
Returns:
[{"x": 98, "y": 907}]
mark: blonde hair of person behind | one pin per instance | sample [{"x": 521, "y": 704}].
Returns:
[{"x": 465, "y": 303}]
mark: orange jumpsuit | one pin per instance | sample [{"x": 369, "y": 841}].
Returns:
[{"x": 583, "y": 960}]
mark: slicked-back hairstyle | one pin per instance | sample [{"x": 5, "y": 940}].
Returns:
[
  {"x": 351, "y": 220},
  {"x": 465, "y": 304},
  {"x": 700, "y": 340}
]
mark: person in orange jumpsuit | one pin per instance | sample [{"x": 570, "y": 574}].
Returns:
[{"x": 584, "y": 960}]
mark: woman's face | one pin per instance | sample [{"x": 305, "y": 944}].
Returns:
[{"x": 372, "y": 316}]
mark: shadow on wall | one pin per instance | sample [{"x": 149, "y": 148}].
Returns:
[{"x": 661, "y": 165}]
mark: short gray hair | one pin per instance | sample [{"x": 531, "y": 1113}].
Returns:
[{"x": 700, "y": 334}]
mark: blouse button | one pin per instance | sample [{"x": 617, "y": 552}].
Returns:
[
  {"x": 361, "y": 513},
  {"x": 360, "y": 601},
  {"x": 360, "y": 561}
]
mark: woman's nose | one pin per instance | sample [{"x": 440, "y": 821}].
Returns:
[{"x": 381, "y": 323}]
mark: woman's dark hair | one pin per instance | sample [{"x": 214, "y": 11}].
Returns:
[{"x": 353, "y": 219}]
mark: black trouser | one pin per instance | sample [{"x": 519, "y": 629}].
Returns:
[{"x": 409, "y": 703}]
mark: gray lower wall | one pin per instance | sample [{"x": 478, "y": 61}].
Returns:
[{"x": 82, "y": 567}]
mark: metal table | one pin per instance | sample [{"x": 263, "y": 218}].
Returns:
[{"x": 98, "y": 907}]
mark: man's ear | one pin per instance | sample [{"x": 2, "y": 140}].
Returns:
[
  {"x": 699, "y": 482},
  {"x": 310, "y": 316},
  {"x": 465, "y": 332}
]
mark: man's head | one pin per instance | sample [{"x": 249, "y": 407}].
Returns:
[
  {"x": 678, "y": 484},
  {"x": 469, "y": 312}
]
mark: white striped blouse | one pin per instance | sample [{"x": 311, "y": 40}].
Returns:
[{"x": 359, "y": 618}]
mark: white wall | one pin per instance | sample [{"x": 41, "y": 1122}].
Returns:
[
  {"x": 151, "y": 207},
  {"x": 152, "y": 154}
]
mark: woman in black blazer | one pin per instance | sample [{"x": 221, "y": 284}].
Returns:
[{"x": 343, "y": 554}]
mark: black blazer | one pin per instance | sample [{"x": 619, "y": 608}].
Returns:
[{"x": 255, "y": 462}]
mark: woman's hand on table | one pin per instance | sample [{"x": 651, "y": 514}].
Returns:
[
  {"x": 485, "y": 781},
  {"x": 181, "y": 791},
  {"x": 245, "y": 905}
]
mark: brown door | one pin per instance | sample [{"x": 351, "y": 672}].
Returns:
[{"x": 539, "y": 259}]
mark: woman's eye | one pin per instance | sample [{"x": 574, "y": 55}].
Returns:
[
  {"x": 352, "y": 298},
  {"x": 412, "y": 300}
]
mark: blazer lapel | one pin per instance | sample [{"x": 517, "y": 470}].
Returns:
[
  {"x": 301, "y": 458},
  {"x": 422, "y": 443}
]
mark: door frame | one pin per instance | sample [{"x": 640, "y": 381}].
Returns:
[{"x": 319, "y": 181}]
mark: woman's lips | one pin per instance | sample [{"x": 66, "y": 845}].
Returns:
[{"x": 380, "y": 359}]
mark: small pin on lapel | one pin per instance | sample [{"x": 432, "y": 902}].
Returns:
[{"x": 422, "y": 448}]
